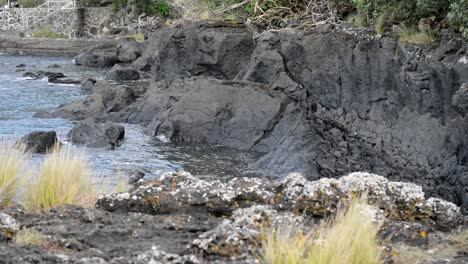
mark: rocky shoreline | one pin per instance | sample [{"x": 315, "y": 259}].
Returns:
[
  {"x": 321, "y": 104},
  {"x": 180, "y": 218}
]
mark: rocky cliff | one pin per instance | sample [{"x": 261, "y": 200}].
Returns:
[{"x": 323, "y": 103}]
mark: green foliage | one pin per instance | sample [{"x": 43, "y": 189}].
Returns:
[
  {"x": 92, "y": 3},
  {"x": 459, "y": 16},
  {"x": 118, "y": 4},
  {"x": 153, "y": 7},
  {"x": 380, "y": 24},
  {"x": 47, "y": 32},
  {"x": 30, "y": 3}
]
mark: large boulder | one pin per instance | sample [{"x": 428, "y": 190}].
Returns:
[
  {"x": 128, "y": 50},
  {"x": 234, "y": 113},
  {"x": 122, "y": 74},
  {"x": 96, "y": 135},
  {"x": 97, "y": 59},
  {"x": 92, "y": 106},
  {"x": 38, "y": 141}
]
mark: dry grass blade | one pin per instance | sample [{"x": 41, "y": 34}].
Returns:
[
  {"x": 12, "y": 162},
  {"x": 351, "y": 237},
  {"x": 65, "y": 178},
  {"x": 30, "y": 237}
]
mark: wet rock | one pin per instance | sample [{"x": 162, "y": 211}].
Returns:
[
  {"x": 136, "y": 177},
  {"x": 21, "y": 65},
  {"x": 38, "y": 141},
  {"x": 92, "y": 106},
  {"x": 460, "y": 99},
  {"x": 54, "y": 66},
  {"x": 94, "y": 135},
  {"x": 51, "y": 76},
  {"x": 97, "y": 59},
  {"x": 8, "y": 227},
  {"x": 88, "y": 85},
  {"x": 122, "y": 74}
]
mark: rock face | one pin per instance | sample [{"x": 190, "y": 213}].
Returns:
[
  {"x": 233, "y": 113},
  {"x": 94, "y": 135},
  {"x": 38, "y": 141}
]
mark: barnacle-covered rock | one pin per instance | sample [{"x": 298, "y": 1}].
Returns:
[
  {"x": 183, "y": 192},
  {"x": 400, "y": 200},
  {"x": 240, "y": 236},
  {"x": 8, "y": 227},
  {"x": 156, "y": 256}
]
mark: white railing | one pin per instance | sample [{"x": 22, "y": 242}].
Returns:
[{"x": 51, "y": 8}]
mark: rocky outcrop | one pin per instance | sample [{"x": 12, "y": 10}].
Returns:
[
  {"x": 94, "y": 135},
  {"x": 182, "y": 192},
  {"x": 38, "y": 142},
  {"x": 105, "y": 102},
  {"x": 250, "y": 207}
]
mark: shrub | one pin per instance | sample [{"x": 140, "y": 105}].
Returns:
[
  {"x": 47, "y": 32},
  {"x": 30, "y": 237},
  {"x": 65, "y": 178},
  {"x": 153, "y": 7},
  {"x": 118, "y": 4},
  {"x": 351, "y": 237},
  {"x": 459, "y": 16},
  {"x": 11, "y": 164}
]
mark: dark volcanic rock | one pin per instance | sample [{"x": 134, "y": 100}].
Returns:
[
  {"x": 51, "y": 76},
  {"x": 95, "y": 135},
  {"x": 201, "y": 49},
  {"x": 460, "y": 99},
  {"x": 88, "y": 85},
  {"x": 97, "y": 59},
  {"x": 38, "y": 141},
  {"x": 122, "y": 74},
  {"x": 128, "y": 50},
  {"x": 233, "y": 113}
]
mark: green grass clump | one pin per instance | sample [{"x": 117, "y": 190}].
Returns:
[
  {"x": 137, "y": 37},
  {"x": 414, "y": 36},
  {"x": 30, "y": 237},
  {"x": 47, "y": 32},
  {"x": 65, "y": 178},
  {"x": 11, "y": 165},
  {"x": 351, "y": 237}
]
